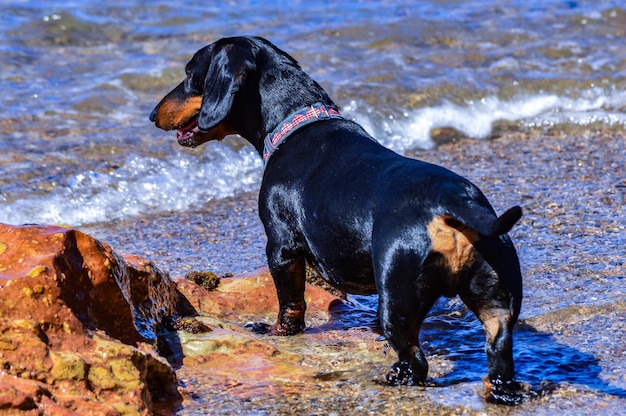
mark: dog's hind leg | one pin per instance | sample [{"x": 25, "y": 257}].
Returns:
[
  {"x": 497, "y": 311},
  {"x": 402, "y": 308}
]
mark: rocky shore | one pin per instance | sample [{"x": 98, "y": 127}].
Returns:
[
  {"x": 78, "y": 325},
  {"x": 86, "y": 330}
]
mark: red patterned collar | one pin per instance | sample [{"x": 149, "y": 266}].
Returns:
[{"x": 300, "y": 118}]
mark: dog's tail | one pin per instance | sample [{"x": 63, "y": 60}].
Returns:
[
  {"x": 485, "y": 223},
  {"x": 506, "y": 221}
]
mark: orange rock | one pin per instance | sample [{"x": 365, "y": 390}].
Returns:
[
  {"x": 126, "y": 299},
  {"x": 20, "y": 394},
  {"x": 74, "y": 321},
  {"x": 245, "y": 364},
  {"x": 250, "y": 296},
  {"x": 78, "y": 324}
]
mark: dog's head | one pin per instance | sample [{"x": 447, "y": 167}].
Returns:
[
  {"x": 199, "y": 107},
  {"x": 239, "y": 85}
]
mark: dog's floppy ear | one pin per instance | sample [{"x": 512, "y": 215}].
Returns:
[{"x": 226, "y": 74}]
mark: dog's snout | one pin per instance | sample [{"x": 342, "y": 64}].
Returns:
[{"x": 153, "y": 115}]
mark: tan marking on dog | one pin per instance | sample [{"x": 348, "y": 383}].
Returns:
[
  {"x": 493, "y": 320},
  {"x": 456, "y": 243},
  {"x": 173, "y": 114}
]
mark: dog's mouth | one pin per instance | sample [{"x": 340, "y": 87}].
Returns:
[
  {"x": 185, "y": 134},
  {"x": 191, "y": 135}
]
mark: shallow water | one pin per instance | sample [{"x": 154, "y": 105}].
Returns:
[
  {"x": 547, "y": 78},
  {"x": 79, "y": 80}
]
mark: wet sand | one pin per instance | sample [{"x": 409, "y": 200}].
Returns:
[{"x": 571, "y": 240}]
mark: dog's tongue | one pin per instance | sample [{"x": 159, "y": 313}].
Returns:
[
  {"x": 182, "y": 136},
  {"x": 188, "y": 131}
]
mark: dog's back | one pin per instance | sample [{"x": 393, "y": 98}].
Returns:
[{"x": 339, "y": 192}]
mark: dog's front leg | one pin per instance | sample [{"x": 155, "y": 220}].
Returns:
[{"x": 289, "y": 279}]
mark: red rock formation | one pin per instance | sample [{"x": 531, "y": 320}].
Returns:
[
  {"x": 250, "y": 296},
  {"x": 77, "y": 324},
  {"x": 78, "y": 333}
]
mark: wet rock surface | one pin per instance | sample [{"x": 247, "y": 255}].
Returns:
[{"x": 77, "y": 326}]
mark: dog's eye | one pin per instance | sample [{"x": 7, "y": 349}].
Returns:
[{"x": 188, "y": 80}]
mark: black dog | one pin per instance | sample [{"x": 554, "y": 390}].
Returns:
[{"x": 367, "y": 219}]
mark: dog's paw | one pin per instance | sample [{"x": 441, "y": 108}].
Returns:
[
  {"x": 262, "y": 328},
  {"x": 282, "y": 330},
  {"x": 401, "y": 374},
  {"x": 510, "y": 393}
]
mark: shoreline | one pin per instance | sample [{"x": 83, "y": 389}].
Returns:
[{"x": 570, "y": 241}]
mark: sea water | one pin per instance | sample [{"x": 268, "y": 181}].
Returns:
[{"x": 79, "y": 80}]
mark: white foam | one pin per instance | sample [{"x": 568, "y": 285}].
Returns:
[
  {"x": 142, "y": 186},
  {"x": 476, "y": 119},
  {"x": 187, "y": 181}
]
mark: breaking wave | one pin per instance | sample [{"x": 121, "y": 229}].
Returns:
[{"x": 186, "y": 181}]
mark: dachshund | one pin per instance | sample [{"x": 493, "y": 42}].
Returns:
[{"x": 367, "y": 219}]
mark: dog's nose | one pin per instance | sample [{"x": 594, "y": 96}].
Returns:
[{"x": 153, "y": 115}]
